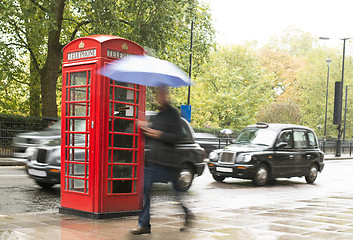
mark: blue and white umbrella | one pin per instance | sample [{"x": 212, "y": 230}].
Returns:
[{"x": 147, "y": 71}]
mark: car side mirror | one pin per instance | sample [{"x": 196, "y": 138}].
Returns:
[{"x": 281, "y": 144}]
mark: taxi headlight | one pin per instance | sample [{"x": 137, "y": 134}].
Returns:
[
  {"x": 213, "y": 156},
  {"x": 247, "y": 158}
]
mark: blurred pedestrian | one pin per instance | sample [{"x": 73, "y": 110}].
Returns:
[{"x": 162, "y": 162}]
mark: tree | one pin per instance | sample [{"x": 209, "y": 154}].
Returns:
[
  {"x": 40, "y": 29},
  {"x": 230, "y": 89},
  {"x": 280, "y": 112}
]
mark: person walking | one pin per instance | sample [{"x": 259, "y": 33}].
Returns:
[{"x": 161, "y": 164}]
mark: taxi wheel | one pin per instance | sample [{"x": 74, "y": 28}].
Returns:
[
  {"x": 218, "y": 178},
  {"x": 45, "y": 185},
  {"x": 185, "y": 178},
  {"x": 312, "y": 174},
  {"x": 261, "y": 176}
]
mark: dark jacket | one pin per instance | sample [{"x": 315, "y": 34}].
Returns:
[{"x": 163, "y": 151}]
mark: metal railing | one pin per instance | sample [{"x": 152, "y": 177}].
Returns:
[{"x": 8, "y": 130}]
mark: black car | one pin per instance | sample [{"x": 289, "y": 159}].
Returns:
[
  {"x": 44, "y": 166},
  {"x": 263, "y": 152}
]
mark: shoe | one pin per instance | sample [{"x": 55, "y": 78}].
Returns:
[{"x": 140, "y": 230}]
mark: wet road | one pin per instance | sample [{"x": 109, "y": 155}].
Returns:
[{"x": 20, "y": 194}]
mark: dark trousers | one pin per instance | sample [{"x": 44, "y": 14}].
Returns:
[{"x": 154, "y": 174}]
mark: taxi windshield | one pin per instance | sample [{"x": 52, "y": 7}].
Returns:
[{"x": 258, "y": 136}]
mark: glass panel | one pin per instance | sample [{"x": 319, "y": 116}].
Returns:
[
  {"x": 299, "y": 139},
  {"x": 109, "y": 187},
  {"x": 124, "y": 95},
  {"x": 86, "y": 186},
  {"x": 135, "y": 186},
  {"x": 78, "y": 94},
  {"x": 129, "y": 85},
  {"x": 312, "y": 140},
  {"x": 122, "y": 186},
  {"x": 77, "y": 155},
  {"x": 87, "y": 171},
  {"x": 89, "y": 78},
  {"x": 78, "y": 79},
  {"x": 87, "y": 155},
  {"x": 122, "y": 171},
  {"x": 78, "y": 140},
  {"x": 123, "y": 141},
  {"x": 122, "y": 156},
  {"x": 67, "y": 79},
  {"x": 123, "y": 125},
  {"x": 76, "y": 185},
  {"x": 76, "y": 170},
  {"x": 77, "y": 125},
  {"x": 109, "y": 171},
  {"x": 123, "y": 110},
  {"x": 78, "y": 109}
]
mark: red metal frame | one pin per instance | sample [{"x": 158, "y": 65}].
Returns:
[{"x": 102, "y": 151}]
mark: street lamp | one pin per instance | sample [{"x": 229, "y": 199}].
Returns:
[
  {"x": 345, "y": 114},
  {"x": 338, "y": 145},
  {"x": 328, "y": 61}
]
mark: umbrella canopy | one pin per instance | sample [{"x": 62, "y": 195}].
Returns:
[{"x": 147, "y": 71}]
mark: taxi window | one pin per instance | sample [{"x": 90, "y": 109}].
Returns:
[
  {"x": 286, "y": 136},
  {"x": 186, "y": 136},
  {"x": 300, "y": 139},
  {"x": 312, "y": 140}
]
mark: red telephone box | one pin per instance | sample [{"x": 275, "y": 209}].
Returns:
[{"x": 102, "y": 154}]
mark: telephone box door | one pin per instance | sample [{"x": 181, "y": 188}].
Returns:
[{"x": 76, "y": 136}]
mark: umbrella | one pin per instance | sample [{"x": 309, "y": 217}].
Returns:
[
  {"x": 147, "y": 71},
  {"x": 226, "y": 131}
]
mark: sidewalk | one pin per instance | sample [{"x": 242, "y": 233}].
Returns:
[{"x": 328, "y": 217}]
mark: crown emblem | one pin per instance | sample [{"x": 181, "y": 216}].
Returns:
[
  {"x": 81, "y": 45},
  {"x": 124, "y": 47}
]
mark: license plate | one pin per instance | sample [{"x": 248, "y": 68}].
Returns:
[
  {"x": 37, "y": 173},
  {"x": 223, "y": 169}
]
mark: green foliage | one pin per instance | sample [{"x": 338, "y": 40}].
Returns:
[
  {"x": 280, "y": 112},
  {"x": 36, "y": 31},
  {"x": 230, "y": 89}
]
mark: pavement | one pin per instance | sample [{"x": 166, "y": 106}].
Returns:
[{"x": 319, "y": 217}]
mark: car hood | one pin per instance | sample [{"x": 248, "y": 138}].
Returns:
[
  {"x": 42, "y": 134},
  {"x": 245, "y": 148}
]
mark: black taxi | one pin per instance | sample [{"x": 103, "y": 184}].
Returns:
[{"x": 263, "y": 152}]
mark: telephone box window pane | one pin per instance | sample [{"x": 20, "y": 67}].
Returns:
[
  {"x": 76, "y": 185},
  {"x": 123, "y": 110},
  {"x": 123, "y": 141},
  {"x": 78, "y": 109},
  {"x": 135, "y": 186},
  {"x": 78, "y": 79},
  {"x": 123, "y": 125},
  {"x": 77, "y": 155},
  {"x": 78, "y": 140},
  {"x": 78, "y": 94},
  {"x": 122, "y": 171},
  {"x": 109, "y": 187},
  {"x": 77, "y": 125},
  {"x": 124, "y": 95},
  {"x": 122, "y": 156},
  {"x": 76, "y": 170},
  {"x": 86, "y": 186},
  {"x": 87, "y": 155},
  {"x": 122, "y": 186},
  {"x": 89, "y": 78},
  {"x": 67, "y": 79},
  {"x": 124, "y": 84}
]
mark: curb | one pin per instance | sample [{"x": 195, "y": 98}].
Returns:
[{"x": 11, "y": 162}]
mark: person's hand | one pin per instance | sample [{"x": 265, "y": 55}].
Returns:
[
  {"x": 143, "y": 124},
  {"x": 153, "y": 133}
]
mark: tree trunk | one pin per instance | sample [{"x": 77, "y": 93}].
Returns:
[
  {"x": 49, "y": 74},
  {"x": 34, "y": 91}
]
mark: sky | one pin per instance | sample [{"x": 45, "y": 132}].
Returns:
[{"x": 237, "y": 21}]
